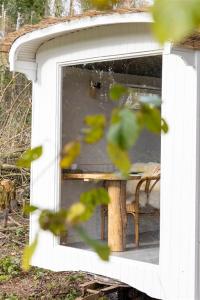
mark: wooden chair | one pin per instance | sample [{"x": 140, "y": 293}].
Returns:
[{"x": 144, "y": 187}]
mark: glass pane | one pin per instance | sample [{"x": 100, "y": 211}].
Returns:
[{"x": 85, "y": 91}]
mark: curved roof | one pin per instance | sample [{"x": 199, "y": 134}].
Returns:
[
  {"x": 47, "y": 22},
  {"x": 23, "y": 44}
]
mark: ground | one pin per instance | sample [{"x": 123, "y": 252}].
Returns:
[{"x": 37, "y": 283}]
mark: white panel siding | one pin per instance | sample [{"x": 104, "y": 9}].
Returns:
[{"x": 178, "y": 189}]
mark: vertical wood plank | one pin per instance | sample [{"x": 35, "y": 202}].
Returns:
[{"x": 117, "y": 219}]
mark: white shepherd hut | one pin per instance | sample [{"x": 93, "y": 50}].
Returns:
[{"x": 72, "y": 62}]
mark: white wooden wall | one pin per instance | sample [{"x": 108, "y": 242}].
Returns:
[
  {"x": 176, "y": 276},
  {"x": 180, "y": 176}
]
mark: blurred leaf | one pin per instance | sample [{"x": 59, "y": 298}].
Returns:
[
  {"x": 164, "y": 126},
  {"x": 150, "y": 118},
  {"x": 153, "y": 100},
  {"x": 29, "y": 156},
  {"x": 95, "y": 197},
  {"x": 28, "y": 253},
  {"x": 75, "y": 212},
  {"x": 119, "y": 158},
  {"x": 55, "y": 222},
  {"x": 117, "y": 91},
  {"x": 95, "y": 131},
  {"x": 101, "y": 249},
  {"x": 174, "y": 20},
  {"x": 29, "y": 209},
  {"x": 91, "y": 199},
  {"x": 124, "y": 129},
  {"x": 100, "y": 4},
  {"x": 70, "y": 152}
]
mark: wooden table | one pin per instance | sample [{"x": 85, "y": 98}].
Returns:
[{"x": 117, "y": 217}]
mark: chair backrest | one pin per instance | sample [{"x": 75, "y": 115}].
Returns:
[
  {"x": 148, "y": 169},
  {"x": 148, "y": 187}
]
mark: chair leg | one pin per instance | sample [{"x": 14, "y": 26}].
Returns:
[
  {"x": 136, "y": 221},
  {"x": 102, "y": 223}
]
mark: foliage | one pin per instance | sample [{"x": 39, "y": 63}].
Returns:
[
  {"x": 72, "y": 294},
  {"x": 174, "y": 20},
  {"x": 9, "y": 267},
  {"x": 31, "y": 10},
  {"x": 76, "y": 277},
  {"x": 101, "y": 249},
  {"x": 124, "y": 129},
  {"x": 149, "y": 117},
  {"x": 55, "y": 222},
  {"x": 95, "y": 131},
  {"x": 28, "y": 253},
  {"x": 119, "y": 158},
  {"x": 99, "y": 4},
  {"x": 39, "y": 273},
  {"x": 9, "y": 297},
  {"x": 29, "y": 209},
  {"x": 59, "y": 223},
  {"x": 70, "y": 152},
  {"x": 29, "y": 156},
  {"x": 4, "y": 278},
  {"x": 117, "y": 91},
  {"x": 15, "y": 113},
  {"x": 91, "y": 200}
]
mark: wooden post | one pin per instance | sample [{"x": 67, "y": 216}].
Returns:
[{"x": 117, "y": 218}]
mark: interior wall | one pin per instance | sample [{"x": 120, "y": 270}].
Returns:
[{"x": 78, "y": 101}]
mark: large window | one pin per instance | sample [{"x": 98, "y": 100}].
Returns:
[{"x": 85, "y": 91}]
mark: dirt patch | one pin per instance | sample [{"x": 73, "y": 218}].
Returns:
[
  {"x": 41, "y": 284},
  {"x": 37, "y": 283}
]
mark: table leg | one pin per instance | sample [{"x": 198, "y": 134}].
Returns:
[{"x": 117, "y": 217}]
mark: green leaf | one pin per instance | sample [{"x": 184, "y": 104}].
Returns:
[
  {"x": 101, "y": 249},
  {"x": 95, "y": 130},
  {"x": 150, "y": 118},
  {"x": 70, "y": 152},
  {"x": 95, "y": 197},
  {"x": 119, "y": 158},
  {"x": 76, "y": 212},
  {"x": 29, "y": 209},
  {"x": 29, "y": 156},
  {"x": 28, "y": 253},
  {"x": 91, "y": 199},
  {"x": 124, "y": 130},
  {"x": 55, "y": 222},
  {"x": 117, "y": 91},
  {"x": 164, "y": 126},
  {"x": 100, "y": 4},
  {"x": 174, "y": 20}
]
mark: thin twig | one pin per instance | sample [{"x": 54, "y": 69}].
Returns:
[{"x": 14, "y": 221}]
